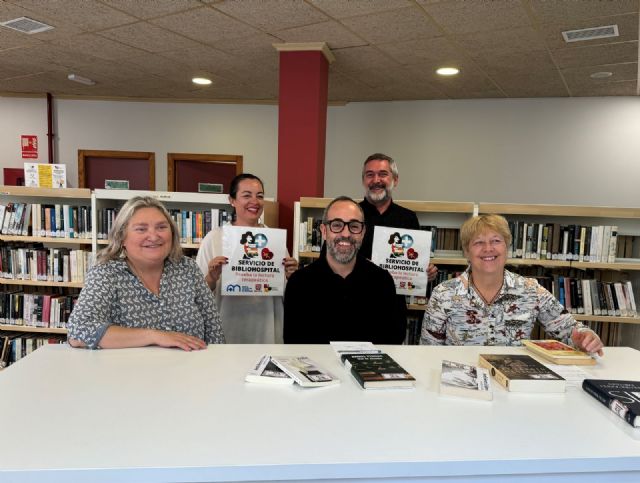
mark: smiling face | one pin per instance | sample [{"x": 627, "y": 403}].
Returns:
[
  {"x": 378, "y": 181},
  {"x": 248, "y": 203},
  {"x": 487, "y": 253},
  {"x": 343, "y": 247},
  {"x": 148, "y": 238}
]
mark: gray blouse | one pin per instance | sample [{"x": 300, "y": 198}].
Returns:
[{"x": 113, "y": 295}]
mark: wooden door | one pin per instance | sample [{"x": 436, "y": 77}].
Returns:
[{"x": 186, "y": 172}]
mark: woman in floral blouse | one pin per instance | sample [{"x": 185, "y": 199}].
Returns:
[{"x": 488, "y": 305}]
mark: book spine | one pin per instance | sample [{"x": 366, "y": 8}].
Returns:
[
  {"x": 615, "y": 405},
  {"x": 499, "y": 376}
]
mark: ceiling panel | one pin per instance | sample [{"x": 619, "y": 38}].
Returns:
[{"x": 384, "y": 49}]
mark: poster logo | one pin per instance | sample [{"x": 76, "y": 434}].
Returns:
[
  {"x": 255, "y": 246},
  {"x": 401, "y": 246}
]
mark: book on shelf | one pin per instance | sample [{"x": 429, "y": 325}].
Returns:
[
  {"x": 558, "y": 352},
  {"x": 621, "y": 397},
  {"x": 463, "y": 380},
  {"x": 266, "y": 372},
  {"x": 552, "y": 241},
  {"x": 34, "y": 262},
  {"x": 377, "y": 371},
  {"x": 522, "y": 373},
  {"x": 15, "y": 346},
  {"x": 305, "y": 371},
  {"x": 46, "y": 220}
]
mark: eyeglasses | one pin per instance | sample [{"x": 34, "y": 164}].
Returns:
[{"x": 337, "y": 225}]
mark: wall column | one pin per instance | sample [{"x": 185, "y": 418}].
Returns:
[{"x": 302, "y": 122}]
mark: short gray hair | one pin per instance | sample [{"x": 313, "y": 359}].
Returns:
[
  {"x": 382, "y": 157},
  {"x": 337, "y": 200},
  {"x": 115, "y": 249}
]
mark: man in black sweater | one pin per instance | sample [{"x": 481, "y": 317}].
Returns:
[
  {"x": 343, "y": 296},
  {"x": 380, "y": 178}
]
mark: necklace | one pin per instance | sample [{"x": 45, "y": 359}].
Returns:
[
  {"x": 151, "y": 287},
  {"x": 486, "y": 300}
]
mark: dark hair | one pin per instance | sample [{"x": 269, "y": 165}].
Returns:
[
  {"x": 244, "y": 237},
  {"x": 337, "y": 200},
  {"x": 233, "y": 187},
  {"x": 392, "y": 236}
]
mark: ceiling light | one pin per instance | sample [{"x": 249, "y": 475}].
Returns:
[
  {"x": 601, "y": 75},
  {"x": 81, "y": 80},
  {"x": 201, "y": 81},
  {"x": 26, "y": 25},
  {"x": 447, "y": 71}
]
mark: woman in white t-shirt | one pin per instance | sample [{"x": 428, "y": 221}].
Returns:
[{"x": 246, "y": 319}]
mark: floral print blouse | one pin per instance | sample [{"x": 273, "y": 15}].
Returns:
[{"x": 457, "y": 314}]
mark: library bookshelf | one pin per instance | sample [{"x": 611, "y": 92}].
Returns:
[
  {"x": 97, "y": 203},
  {"x": 453, "y": 214}
]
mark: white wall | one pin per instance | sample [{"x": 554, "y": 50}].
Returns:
[
  {"x": 564, "y": 151},
  {"x": 249, "y": 130},
  {"x": 560, "y": 151}
]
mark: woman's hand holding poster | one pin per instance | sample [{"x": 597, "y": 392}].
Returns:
[
  {"x": 405, "y": 255},
  {"x": 255, "y": 257}
]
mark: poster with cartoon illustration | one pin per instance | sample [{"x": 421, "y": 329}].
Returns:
[
  {"x": 255, "y": 261},
  {"x": 405, "y": 255}
]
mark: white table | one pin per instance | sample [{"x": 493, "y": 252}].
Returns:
[{"x": 159, "y": 415}]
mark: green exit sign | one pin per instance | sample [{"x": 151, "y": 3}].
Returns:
[{"x": 210, "y": 188}]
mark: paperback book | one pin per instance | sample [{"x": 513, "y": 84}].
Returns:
[
  {"x": 305, "y": 371},
  {"x": 341, "y": 348},
  {"x": 463, "y": 380},
  {"x": 266, "y": 372},
  {"x": 621, "y": 397},
  {"x": 559, "y": 352},
  {"x": 378, "y": 371},
  {"x": 522, "y": 373}
]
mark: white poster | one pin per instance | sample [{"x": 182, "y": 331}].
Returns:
[
  {"x": 44, "y": 175},
  {"x": 405, "y": 255},
  {"x": 255, "y": 261}
]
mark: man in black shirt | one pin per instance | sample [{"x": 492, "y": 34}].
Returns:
[
  {"x": 379, "y": 178},
  {"x": 343, "y": 296}
]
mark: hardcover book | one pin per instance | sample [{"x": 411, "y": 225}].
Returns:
[
  {"x": 622, "y": 397},
  {"x": 304, "y": 371},
  {"x": 522, "y": 373},
  {"x": 266, "y": 372},
  {"x": 559, "y": 352},
  {"x": 463, "y": 380},
  {"x": 378, "y": 371}
]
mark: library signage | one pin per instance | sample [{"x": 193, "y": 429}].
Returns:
[
  {"x": 405, "y": 255},
  {"x": 255, "y": 257},
  {"x": 44, "y": 175},
  {"x": 29, "y": 145}
]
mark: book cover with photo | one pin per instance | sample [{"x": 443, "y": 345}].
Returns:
[
  {"x": 266, "y": 372},
  {"x": 464, "y": 380},
  {"x": 522, "y": 373},
  {"x": 559, "y": 352},
  {"x": 304, "y": 371},
  {"x": 378, "y": 371}
]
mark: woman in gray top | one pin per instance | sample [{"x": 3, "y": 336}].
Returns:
[{"x": 142, "y": 290}]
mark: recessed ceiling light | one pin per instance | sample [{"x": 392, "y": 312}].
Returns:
[
  {"x": 201, "y": 81},
  {"x": 601, "y": 75},
  {"x": 447, "y": 71},
  {"x": 81, "y": 80}
]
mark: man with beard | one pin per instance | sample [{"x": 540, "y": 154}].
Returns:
[
  {"x": 380, "y": 178},
  {"x": 343, "y": 296}
]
